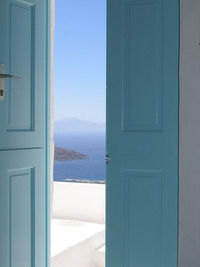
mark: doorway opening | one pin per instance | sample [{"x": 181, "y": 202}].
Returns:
[{"x": 78, "y": 221}]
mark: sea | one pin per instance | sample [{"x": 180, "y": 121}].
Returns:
[{"x": 91, "y": 144}]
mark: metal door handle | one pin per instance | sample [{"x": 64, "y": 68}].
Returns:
[{"x": 3, "y": 76}]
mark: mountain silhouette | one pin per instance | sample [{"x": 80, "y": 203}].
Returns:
[{"x": 74, "y": 125}]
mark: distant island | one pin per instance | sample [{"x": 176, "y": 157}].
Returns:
[
  {"x": 74, "y": 125},
  {"x": 62, "y": 154}
]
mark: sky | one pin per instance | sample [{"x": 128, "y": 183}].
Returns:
[{"x": 80, "y": 59}]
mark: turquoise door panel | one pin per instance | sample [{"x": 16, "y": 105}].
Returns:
[
  {"x": 22, "y": 207},
  {"x": 23, "y": 42},
  {"x": 23, "y": 135},
  {"x": 142, "y": 133}
]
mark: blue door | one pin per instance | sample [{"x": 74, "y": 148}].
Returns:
[
  {"x": 142, "y": 133},
  {"x": 22, "y": 36},
  {"x": 23, "y": 183}
]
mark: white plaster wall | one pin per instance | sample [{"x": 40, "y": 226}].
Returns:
[
  {"x": 189, "y": 204},
  {"x": 79, "y": 201},
  {"x": 52, "y": 99}
]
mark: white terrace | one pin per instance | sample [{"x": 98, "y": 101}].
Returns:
[{"x": 78, "y": 225}]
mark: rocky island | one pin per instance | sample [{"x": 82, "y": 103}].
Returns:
[{"x": 62, "y": 154}]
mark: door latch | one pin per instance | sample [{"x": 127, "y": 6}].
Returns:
[
  {"x": 4, "y": 76},
  {"x": 107, "y": 158}
]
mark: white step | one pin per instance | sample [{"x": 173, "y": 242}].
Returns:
[
  {"x": 99, "y": 257},
  {"x": 73, "y": 243}
]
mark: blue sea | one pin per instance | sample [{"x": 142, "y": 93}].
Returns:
[{"x": 93, "y": 168}]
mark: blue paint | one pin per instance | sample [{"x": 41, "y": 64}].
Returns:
[
  {"x": 22, "y": 224},
  {"x": 24, "y": 195},
  {"x": 142, "y": 189},
  {"x": 142, "y": 133},
  {"x": 23, "y": 52}
]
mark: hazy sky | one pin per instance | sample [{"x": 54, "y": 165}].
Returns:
[{"x": 79, "y": 59}]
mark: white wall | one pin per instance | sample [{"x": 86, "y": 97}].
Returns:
[
  {"x": 79, "y": 201},
  {"x": 189, "y": 216}
]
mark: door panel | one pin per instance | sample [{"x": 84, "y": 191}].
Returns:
[
  {"x": 142, "y": 77},
  {"x": 22, "y": 206},
  {"x": 22, "y": 49},
  {"x": 23, "y": 152},
  {"x": 22, "y": 113},
  {"x": 142, "y": 133},
  {"x": 142, "y": 219}
]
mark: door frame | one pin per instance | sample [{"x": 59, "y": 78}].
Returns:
[
  {"x": 49, "y": 121},
  {"x": 49, "y": 145}
]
